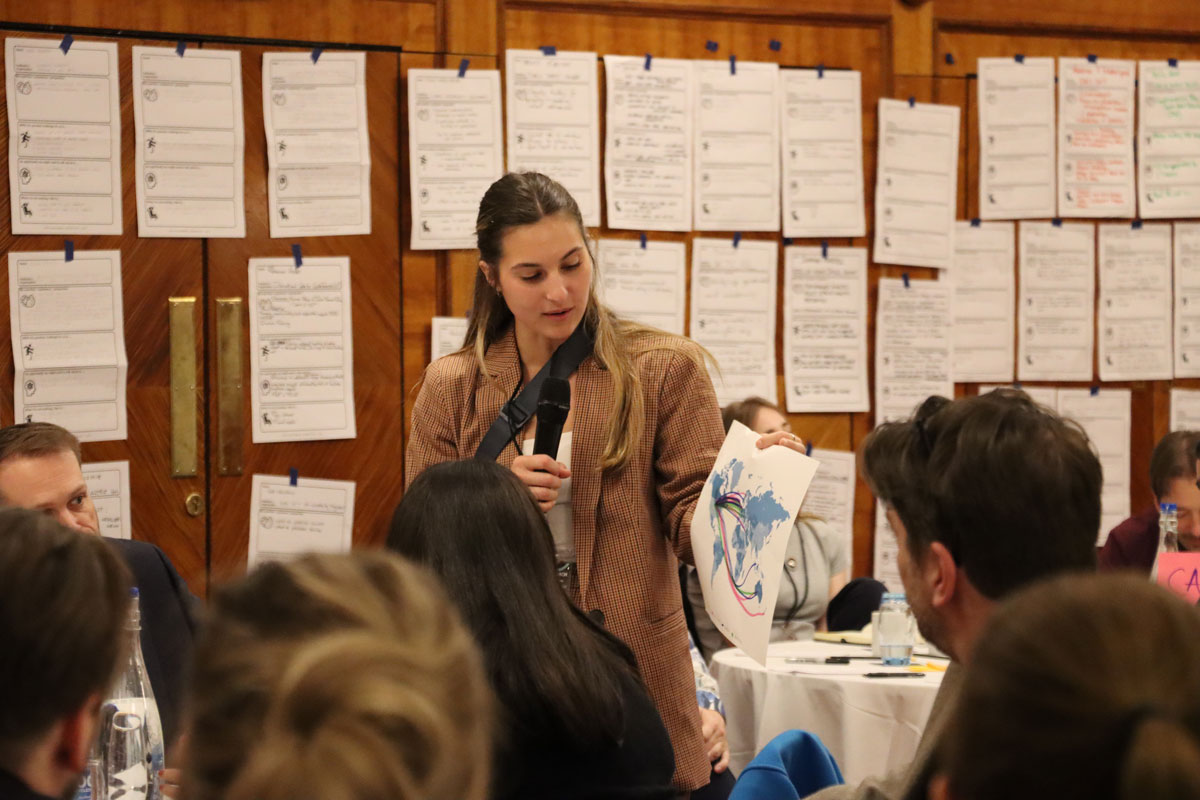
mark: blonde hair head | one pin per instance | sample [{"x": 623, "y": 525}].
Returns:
[
  {"x": 342, "y": 677},
  {"x": 524, "y": 198}
]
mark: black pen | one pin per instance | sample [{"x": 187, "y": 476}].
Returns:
[{"x": 893, "y": 674}]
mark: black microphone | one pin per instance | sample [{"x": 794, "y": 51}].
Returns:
[{"x": 554, "y": 402}]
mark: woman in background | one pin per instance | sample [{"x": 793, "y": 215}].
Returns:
[
  {"x": 816, "y": 563},
  {"x": 574, "y": 719},
  {"x": 340, "y": 677},
  {"x": 1082, "y": 686}
]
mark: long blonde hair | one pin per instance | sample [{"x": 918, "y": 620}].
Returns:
[
  {"x": 343, "y": 677},
  {"x": 524, "y": 198}
]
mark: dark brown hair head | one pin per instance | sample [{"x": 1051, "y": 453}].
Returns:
[
  {"x": 64, "y": 597},
  {"x": 31, "y": 439},
  {"x": 1010, "y": 488},
  {"x": 1174, "y": 457}
]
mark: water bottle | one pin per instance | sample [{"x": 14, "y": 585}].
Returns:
[
  {"x": 91, "y": 785},
  {"x": 1168, "y": 534},
  {"x": 131, "y": 737},
  {"x": 1168, "y": 527},
  {"x": 895, "y": 630}
]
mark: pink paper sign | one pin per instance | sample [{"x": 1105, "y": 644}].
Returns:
[{"x": 1180, "y": 572}]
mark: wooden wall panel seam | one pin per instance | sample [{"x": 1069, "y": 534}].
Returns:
[{"x": 766, "y": 13}]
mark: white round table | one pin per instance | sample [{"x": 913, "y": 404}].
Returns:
[{"x": 870, "y": 725}]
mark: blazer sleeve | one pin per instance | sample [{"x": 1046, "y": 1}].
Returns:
[
  {"x": 686, "y": 442},
  {"x": 431, "y": 438}
]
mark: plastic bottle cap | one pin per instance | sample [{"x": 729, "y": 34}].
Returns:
[
  {"x": 892, "y": 596},
  {"x": 133, "y": 591},
  {"x": 1168, "y": 508}
]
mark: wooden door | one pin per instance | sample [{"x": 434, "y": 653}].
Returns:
[
  {"x": 153, "y": 270},
  {"x": 373, "y": 459}
]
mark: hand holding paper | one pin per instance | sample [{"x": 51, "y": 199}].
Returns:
[{"x": 740, "y": 530}]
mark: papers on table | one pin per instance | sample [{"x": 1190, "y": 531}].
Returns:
[
  {"x": 447, "y": 336},
  {"x": 553, "y": 109},
  {"x": 1016, "y": 138},
  {"x": 318, "y": 146},
  {"x": 302, "y": 350},
  {"x": 190, "y": 142},
  {"x": 287, "y": 521},
  {"x": 831, "y": 493},
  {"x": 916, "y": 184},
  {"x": 1135, "y": 302},
  {"x": 68, "y": 341},
  {"x": 737, "y": 146},
  {"x": 455, "y": 152},
  {"x": 740, "y": 529},
  {"x": 825, "y": 329},
  {"x": 1187, "y": 300},
  {"x": 913, "y": 346},
  {"x": 108, "y": 486},
  {"x": 1169, "y": 132},
  {"x": 733, "y": 314},
  {"x": 1185, "y": 409},
  {"x": 1105, "y": 416},
  {"x": 648, "y": 143},
  {"x": 1095, "y": 138},
  {"x": 645, "y": 284},
  {"x": 984, "y": 290},
  {"x": 64, "y": 136},
  {"x": 822, "y": 153},
  {"x": 887, "y": 570},
  {"x": 1055, "y": 312}
]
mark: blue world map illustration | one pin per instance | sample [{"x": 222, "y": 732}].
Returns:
[{"x": 744, "y": 520}]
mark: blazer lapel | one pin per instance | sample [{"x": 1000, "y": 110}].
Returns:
[{"x": 593, "y": 403}]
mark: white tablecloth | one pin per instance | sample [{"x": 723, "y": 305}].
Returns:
[{"x": 870, "y": 725}]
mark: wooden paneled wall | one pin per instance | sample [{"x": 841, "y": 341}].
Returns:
[{"x": 900, "y": 48}]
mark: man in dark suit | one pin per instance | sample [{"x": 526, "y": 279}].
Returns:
[{"x": 40, "y": 469}]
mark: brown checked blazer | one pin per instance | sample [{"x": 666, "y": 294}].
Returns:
[{"x": 629, "y": 525}]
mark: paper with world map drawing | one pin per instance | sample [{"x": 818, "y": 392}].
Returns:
[{"x": 739, "y": 534}]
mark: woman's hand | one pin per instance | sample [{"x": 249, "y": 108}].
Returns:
[
  {"x": 543, "y": 475},
  {"x": 784, "y": 438},
  {"x": 712, "y": 727}
]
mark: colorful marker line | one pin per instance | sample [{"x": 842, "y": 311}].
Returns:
[{"x": 733, "y": 503}]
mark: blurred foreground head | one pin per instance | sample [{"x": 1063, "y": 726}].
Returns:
[
  {"x": 1082, "y": 686},
  {"x": 343, "y": 677}
]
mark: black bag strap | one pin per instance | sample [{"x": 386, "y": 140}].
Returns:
[{"x": 516, "y": 413}]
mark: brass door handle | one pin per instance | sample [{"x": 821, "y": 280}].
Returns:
[
  {"x": 194, "y": 504},
  {"x": 181, "y": 321},
  {"x": 230, "y": 403}
]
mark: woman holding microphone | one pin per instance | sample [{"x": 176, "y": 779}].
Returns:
[{"x": 638, "y": 442}]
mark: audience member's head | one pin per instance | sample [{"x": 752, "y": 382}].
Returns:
[
  {"x": 40, "y": 469},
  {"x": 345, "y": 677},
  {"x": 757, "y": 414},
  {"x": 1083, "y": 686},
  {"x": 985, "y": 494},
  {"x": 63, "y": 605},
  {"x": 479, "y": 529},
  {"x": 1173, "y": 480}
]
